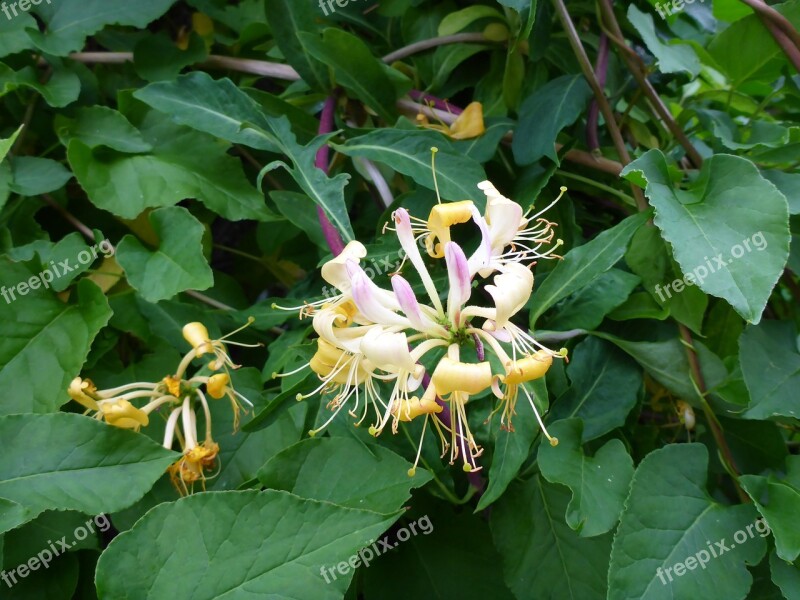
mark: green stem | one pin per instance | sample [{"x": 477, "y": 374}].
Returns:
[{"x": 601, "y": 186}]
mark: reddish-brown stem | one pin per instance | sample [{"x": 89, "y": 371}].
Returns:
[{"x": 592, "y": 118}]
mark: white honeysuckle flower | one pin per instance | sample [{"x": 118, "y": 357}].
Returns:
[{"x": 370, "y": 336}]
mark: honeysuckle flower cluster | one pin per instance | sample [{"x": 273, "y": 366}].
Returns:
[
  {"x": 369, "y": 335},
  {"x": 181, "y": 397}
]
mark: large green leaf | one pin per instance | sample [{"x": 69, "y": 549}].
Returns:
[
  {"x": 670, "y": 519},
  {"x": 43, "y": 341},
  {"x": 729, "y": 206},
  {"x": 545, "y": 113},
  {"x": 409, "y": 152},
  {"x": 343, "y": 471},
  {"x": 599, "y": 484},
  {"x": 62, "y": 88},
  {"x": 287, "y": 19},
  {"x": 5, "y": 145},
  {"x": 586, "y": 308},
  {"x": 541, "y": 553},
  {"x": 69, "y": 22},
  {"x": 672, "y": 58},
  {"x": 778, "y": 501},
  {"x": 584, "y": 264},
  {"x": 99, "y": 126},
  {"x": 76, "y": 463},
  {"x": 127, "y": 184},
  {"x": 176, "y": 265},
  {"x": 237, "y": 544},
  {"x": 770, "y": 361},
  {"x": 605, "y": 387},
  {"x": 354, "y": 67},
  {"x": 786, "y": 576},
  {"x": 223, "y": 110}
]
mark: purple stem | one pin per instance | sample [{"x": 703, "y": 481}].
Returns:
[
  {"x": 446, "y": 418},
  {"x": 322, "y": 161},
  {"x": 600, "y": 69},
  {"x": 478, "y": 347},
  {"x": 424, "y": 98}
]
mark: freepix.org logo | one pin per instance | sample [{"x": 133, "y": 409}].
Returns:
[{"x": 10, "y": 8}]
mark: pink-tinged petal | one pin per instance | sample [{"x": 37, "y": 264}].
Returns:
[
  {"x": 420, "y": 320},
  {"x": 408, "y": 301},
  {"x": 385, "y": 297},
  {"x": 406, "y": 237},
  {"x": 459, "y": 278},
  {"x": 369, "y": 302}
]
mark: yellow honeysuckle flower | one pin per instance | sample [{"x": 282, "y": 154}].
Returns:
[
  {"x": 123, "y": 414},
  {"x": 370, "y": 336},
  {"x": 469, "y": 124},
  {"x": 181, "y": 395}
]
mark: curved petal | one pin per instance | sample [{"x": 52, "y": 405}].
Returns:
[
  {"x": 454, "y": 376},
  {"x": 441, "y": 218},
  {"x": 511, "y": 291},
  {"x": 459, "y": 277},
  {"x": 370, "y": 302},
  {"x": 388, "y": 351},
  {"x": 504, "y": 216},
  {"x": 529, "y": 368},
  {"x": 405, "y": 235},
  {"x": 335, "y": 271}
]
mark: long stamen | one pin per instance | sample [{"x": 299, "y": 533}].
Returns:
[{"x": 434, "y": 150}]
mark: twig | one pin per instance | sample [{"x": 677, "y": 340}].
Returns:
[
  {"x": 765, "y": 11},
  {"x": 639, "y": 71},
  {"x": 605, "y": 107},
  {"x": 456, "y": 38},
  {"x": 592, "y": 118}
]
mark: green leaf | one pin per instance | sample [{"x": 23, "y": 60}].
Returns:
[
  {"x": 217, "y": 107},
  {"x": 786, "y": 576},
  {"x": 265, "y": 544},
  {"x": 543, "y": 114},
  {"x": 98, "y": 126},
  {"x": 176, "y": 265},
  {"x": 69, "y": 22},
  {"x": 582, "y": 265},
  {"x": 409, "y": 152},
  {"x": 778, "y": 501},
  {"x": 540, "y": 551},
  {"x": 666, "y": 361},
  {"x": 76, "y": 463},
  {"x": 12, "y": 514},
  {"x": 586, "y": 308},
  {"x": 6, "y": 145},
  {"x": 461, "y": 19},
  {"x": 651, "y": 541},
  {"x": 512, "y": 448},
  {"x": 788, "y": 184},
  {"x": 13, "y": 37},
  {"x": 727, "y": 212},
  {"x": 366, "y": 477},
  {"x": 158, "y": 57},
  {"x": 127, "y": 184},
  {"x": 599, "y": 484},
  {"x": 770, "y": 361},
  {"x": 62, "y": 88},
  {"x": 672, "y": 58},
  {"x": 34, "y": 176},
  {"x": 605, "y": 388},
  {"x": 287, "y": 19},
  {"x": 43, "y": 341},
  {"x": 438, "y": 571},
  {"x": 763, "y": 59},
  {"x": 354, "y": 68}
]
